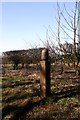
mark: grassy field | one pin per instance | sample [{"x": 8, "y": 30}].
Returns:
[{"x": 21, "y": 97}]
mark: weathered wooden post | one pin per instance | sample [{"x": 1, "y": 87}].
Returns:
[{"x": 44, "y": 74}]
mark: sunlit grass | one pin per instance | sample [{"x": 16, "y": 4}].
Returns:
[{"x": 52, "y": 107}]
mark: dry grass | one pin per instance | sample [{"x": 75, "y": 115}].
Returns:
[{"x": 63, "y": 104}]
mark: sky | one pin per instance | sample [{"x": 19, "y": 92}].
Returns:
[{"x": 24, "y": 23}]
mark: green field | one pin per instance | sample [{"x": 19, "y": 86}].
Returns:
[{"x": 21, "y": 98}]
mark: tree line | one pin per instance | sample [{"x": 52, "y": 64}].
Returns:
[
  {"x": 33, "y": 56},
  {"x": 22, "y": 57}
]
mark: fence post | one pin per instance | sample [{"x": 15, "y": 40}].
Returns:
[{"x": 44, "y": 74}]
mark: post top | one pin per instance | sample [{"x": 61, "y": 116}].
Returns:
[{"x": 44, "y": 54}]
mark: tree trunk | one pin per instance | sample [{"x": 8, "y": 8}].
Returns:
[{"x": 22, "y": 65}]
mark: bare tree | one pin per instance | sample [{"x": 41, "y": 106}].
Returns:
[{"x": 70, "y": 26}]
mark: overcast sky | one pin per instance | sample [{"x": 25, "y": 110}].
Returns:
[{"x": 23, "y": 23}]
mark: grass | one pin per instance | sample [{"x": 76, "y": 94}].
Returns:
[
  {"x": 63, "y": 104},
  {"x": 12, "y": 95},
  {"x": 66, "y": 108}
]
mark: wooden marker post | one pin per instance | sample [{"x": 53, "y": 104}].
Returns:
[{"x": 45, "y": 74}]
